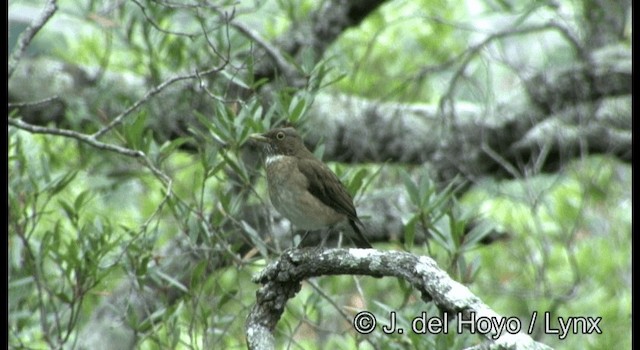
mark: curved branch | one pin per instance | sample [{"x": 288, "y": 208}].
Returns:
[
  {"x": 91, "y": 140},
  {"x": 88, "y": 139},
  {"x": 159, "y": 28},
  {"x": 154, "y": 91},
  {"x": 282, "y": 280},
  {"x": 326, "y": 23},
  {"x": 467, "y": 56},
  {"x": 25, "y": 38},
  {"x": 280, "y": 61}
]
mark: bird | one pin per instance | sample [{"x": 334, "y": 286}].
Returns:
[{"x": 303, "y": 189}]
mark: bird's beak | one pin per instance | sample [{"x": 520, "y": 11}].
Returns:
[{"x": 258, "y": 138}]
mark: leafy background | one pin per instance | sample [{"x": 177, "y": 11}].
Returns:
[{"x": 86, "y": 224}]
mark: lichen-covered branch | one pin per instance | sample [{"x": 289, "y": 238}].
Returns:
[{"x": 281, "y": 281}]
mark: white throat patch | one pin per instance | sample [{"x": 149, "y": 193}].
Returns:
[{"x": 271, "y": 159}]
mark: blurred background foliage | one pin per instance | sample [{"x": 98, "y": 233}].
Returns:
[{"x": 83, "y": 220}]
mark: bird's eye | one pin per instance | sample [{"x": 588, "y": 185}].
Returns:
[{"x": 280, "y": 135}]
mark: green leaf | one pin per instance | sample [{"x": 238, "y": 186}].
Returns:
[
  {"x": 357, "y": 180},
  {"x": 81, "y": 199},
  {"x": 410, "y": 232},
  {"x": 143, "y": 265},
  {"x": 169, "y": 147},
  {"x": 258, "y": 83},
  {"x": 61, "y": 182},
  {"x": 134, "y": 132},
  {"x": 228, "y": 296},
  {"x": 257, "y": 241},
  {"x": 63, "y": 296},
  {"x": 441, "y": 233},
  {"x": 441, "y": 197},
  {"x": 199, "y": 273},
  {"x": 235, "y": 79},
  {"x": 51, "y": 240},
  {"x": 69, "y": 210},
  {"x": 172, "y": 281},
  {"x": 237, "y": 168},
  {"x": 412, "y": 189},
  {"x": 319, "y": 153},
  {"x": 477, "y": 233},
  {"x": 426, "y": 190},
  {"x": 297, "y": 108},
  {"x": 369, "y": 180},
  {"x": 204, "y": 120},
  {"x": 72, "y": 254}
]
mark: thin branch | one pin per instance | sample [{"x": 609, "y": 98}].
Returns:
[
  {"x": 226, "y": 57},
  {"x": 199, "y": 5},
  {"x": 25, "y": 38},
  {"x": 500, "y": 160},
  {"x": 469, "y": 54},
  {"x": 157, "y": 26},
  {"x": 285, "y": 67},
  {"x": 92, "y": 141},
  {"x": 154, "y": 91},
  {"x": 33, "y": 103},
  {"x": 329, "y": 300},
  {"x": 88, "y": 139}
]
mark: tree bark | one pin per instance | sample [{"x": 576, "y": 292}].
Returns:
[{"x": 281, "y": 281}]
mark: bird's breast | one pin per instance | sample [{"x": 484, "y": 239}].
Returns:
[{"x": 288, "y": 190}]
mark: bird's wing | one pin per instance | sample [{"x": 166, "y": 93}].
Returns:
[{"x": 330, "y": 191}]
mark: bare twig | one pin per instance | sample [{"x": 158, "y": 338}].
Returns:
[
  {"x": 154, "y": 91},
  {"x": 285, "y": 67},
  {"x": 88, "y": 139},
  {"x": 199, "y": 5},
  {"x": 500, "y": 160},
  {"x": 226, "y": 18},
  {"x": 28, "y": 34},
  {"x": 92, "y": 141},
  {"x": 160, "y": 29},
  {"x": 33, "y": 103},
  {"x": 469, "y": 54}
]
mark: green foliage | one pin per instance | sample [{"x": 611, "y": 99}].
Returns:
[
  {"x": 570, "y": 251},
  {"x": 385, "y": 52},
  {"x": 60, "y": 248},
  {"x": 84, "y": 221},
  {"x": 444, "y": 224}
]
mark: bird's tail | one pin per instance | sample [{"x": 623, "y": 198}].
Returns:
[{"x": 358, "y": 237}]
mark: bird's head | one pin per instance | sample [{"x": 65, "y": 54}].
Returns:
[{"x": 281, "y": 142}]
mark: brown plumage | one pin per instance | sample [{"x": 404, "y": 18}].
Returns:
[{"x": 303, "y": 189}]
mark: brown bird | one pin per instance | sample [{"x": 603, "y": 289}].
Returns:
[{"x": 303, "y": 189}]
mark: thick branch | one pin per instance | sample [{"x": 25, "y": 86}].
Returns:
[
  {"x": 357, "y": 130},
  {"x": 324, "y": 27},
  {"x": 605, "y": 21},
  {"x": 281, "y": 281}
]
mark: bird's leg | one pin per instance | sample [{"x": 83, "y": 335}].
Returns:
[
  {"x": 324, "y": 235},
  {"x": 340, "y": 238},
  {"x": 323, "y": 240},
  {"x": 303, "y": 238}
]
